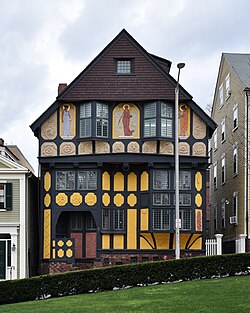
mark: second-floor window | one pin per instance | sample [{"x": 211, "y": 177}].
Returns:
[
  {"x": 216, "y": 139},
  {"x": 87, "y": 180},
  {"x": 215, "y": 175},
  {"x": 65, "y": 180},
  {"x": 221, "y": 95},
  {"x": 223, "y": 213},
  {"x": 85, "y": 120},
  {"x": 102, "y": 113},
  {"x": 223, "y": 171},
  {"x": 235, "y": 117},
  {"x": 235, "y": 159},
  {"x": 150, "y": 120},
  {"x": 223, "y": 130},
  {"x": 235, "y": 204},
  {"x": 161, "y": 219},
  {"x": 166, "y": 120},
  {"x": 227, "y": 86}
]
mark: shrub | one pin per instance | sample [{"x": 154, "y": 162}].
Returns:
[{"x": 120, "y": 276}]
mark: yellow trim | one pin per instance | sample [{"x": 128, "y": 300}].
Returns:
[
  {"x": 118, "y": 182},
  {"x": 105, "y": 241},
  {"x": 198, "y": 220},
  {"x": 198, "y": 200},
  {"x": 144, "y": 219},
  {"x": 90, "y": 199},
  {"x": 60, "y": 253},
  {"x": 47, "y": 181},
  {"x": 198, "y": 181},
  {"x": 118, "y": 240},
  {"x": 61, "y": 199},
  {"x": 132, "y": 229},
  {"x": 46, "y": 233},
  {"x": 132, "y": 200},
  {"x": 146, "y": 242},
  {"x": 54, "y": 253},
  {"x": 118, "y": 199},
  {"x": 106, "y": 199},
  {"x": 47, "y": 200},
  {"x": 69, "y": 253},
  {"x": 105, "y": 181},
  {"x": 76, "y": 198},
  {"x": 132, "y": 182},
  {"x": 144, "y": 181},
  {"x": 162, "y": 240}
]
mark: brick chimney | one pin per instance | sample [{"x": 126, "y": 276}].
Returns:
[
  {"x": 1, "y": 142},
  {"x": 61, "y": 88}
]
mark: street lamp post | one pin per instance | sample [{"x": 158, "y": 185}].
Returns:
[{"x": 177, "y": 210}]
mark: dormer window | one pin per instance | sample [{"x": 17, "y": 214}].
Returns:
[{"x": 124, "y": 67}]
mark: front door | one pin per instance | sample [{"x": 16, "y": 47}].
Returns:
[{"x": 2, "y": 259}]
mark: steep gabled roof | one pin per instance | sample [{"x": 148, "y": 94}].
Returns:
[{"x": 240, "y": 63}]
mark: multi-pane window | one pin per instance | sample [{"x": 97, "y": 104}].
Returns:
[
  {"x": 235, "y": 204},
  {"x": 235, "y": 116},
  {"x": 223, "y": 213},
  {"x": 118, "y": 219},
  {"x": 161, "y": 219},
  {"x": 223, "y": 130},
  {"x": 215, "y": 175},
  {"x": 221, "y": 95},
  {"x": 123, "y": 67},
  {"x": 87, "y": 180},
  {"x": 102, "y": 113},
  {"x": 161, "y": 180},
  {"x": 235, "y": 159},
  {"x": 161, "y": 198},
  {"x": 90, "y": 222},
  {"x": 105, "y": 219},
  {"x": 223, "y": 170},
  {"x": 227, "y": 86},
  {"x": 65, "y": 180},
  {"x": 2, "y": 196},
  {"x": 85, "y": 120},
  {"x": 185, "y": 180},
  {"x": 185, "y": 199},
  {"x": 215, "y": 139},
  {"x": 76, "y": 221},
  {"x": 5, "y": 196},
  {"x": 150, "y": 119},
  {"x": 185, "y": 216},
  {"x": 166, "y": 120}
]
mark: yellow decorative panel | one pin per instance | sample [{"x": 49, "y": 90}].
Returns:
[
  {"x": 118, "y": 241},
  {"x": 162, "y": 240},
  {"x": 118, "y": 182},
  {"x": 198, "y": 181},
  {"x": 132, "y": 229},
  {"x": 105, "y": 181},
  {"x": 47, "y": 200},
  {"x": 69, "y": 253},
  {"x": 47, "y": 181},
  {"x": 184, "y": 240},
  {"x": 61, "y": 199},
  {"x": 46, "y": 233},
  {"x": 60, "y": 253},
  {"x": 132, "y": 200},
  {"x": 144, "y": 181},
  {"x": 69, "y": 243},
  {"x": 196, "y": 242},
  {"x": 90, "y": 199},
  {"x": 198, "y": 220},
  {"x": 54, "y": 253},
  {"x": 144, "y": 219},
  {"x": 53, "y": 243},
  {"x": 76, "y": 198},
  {"x": 198, "y": 200},
  {"x": 146, "y": 241},
  {"x": 118, "y": 199},
  {"x": 132, "y": 182},
  {"x": 105, "y": 241},
  {"x": 60, "y": 243},
  {"x": 106, "y": 199}
]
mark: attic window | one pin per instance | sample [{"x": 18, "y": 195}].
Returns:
[{"x": 123, "y": 66}]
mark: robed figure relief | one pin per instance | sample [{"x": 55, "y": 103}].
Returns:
[
  {"x": 67, "y": 121},
  {"x": 126, "y": 123},
  {"x": 184, "y": 121}
]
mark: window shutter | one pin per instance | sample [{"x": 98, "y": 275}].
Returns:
[{"x": 9, "y": 196}]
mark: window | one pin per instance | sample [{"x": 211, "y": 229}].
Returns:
[
  {"x": 123, "y": 67},
  {"x": 185, "y": 199},
  {"x": 166, "y": 120},
  {"x": 235, "y": 204},
  {"x": 215, "y": 175},
  {"x": 185, "y": 180},
  {"x": 76, "y": 221},
  {"x": 150, "y": 119},
  {"x": 223, "y": 171},
  {"x": 235, "y": 117},
  {"x": 227, "y": 86},
  {"x": 118, "y": 219},
  {"x": 65, "y": 180},
  {"x": 102, "y": 114},
  {"x": 85, "y": 120},
  {"x": 221, "y": 95},
  {"x": 90, "y": 222},
  {"x": 223, "y": 129},
  {"x": 235, "y": 159},
  {"x": 161, "y": 180},
  {"x": 105, "y": 219},
  {"x": 2, "y": 196},
  {"x": 161, "y": 219},
  {"x": 185, "y": 216},
  {"x": 161, "y": 198},
  {"x": 223, "y": 212},
  {"x": 215, "y": 139},
  {"x": 87, "y": 180},
  {"x": 5, "y": 196}
]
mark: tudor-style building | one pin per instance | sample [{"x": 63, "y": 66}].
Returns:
[{"x": 106, "y": 154}]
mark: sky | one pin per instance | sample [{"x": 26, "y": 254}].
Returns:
[{"x": 47, "y": 42}]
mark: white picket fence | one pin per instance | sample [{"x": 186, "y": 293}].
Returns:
[{"x": 214, "y": 246}]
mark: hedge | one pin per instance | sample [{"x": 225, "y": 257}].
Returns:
[{"x": 108, "y": 278}]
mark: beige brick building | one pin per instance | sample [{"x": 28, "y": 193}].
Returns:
[{"x": 230, "y": 205}]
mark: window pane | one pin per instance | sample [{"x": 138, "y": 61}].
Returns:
[
  {"x": 106, "y": 219},
  {"x": 118, "y": 219},
  {"x": 161, "y": 180},
  {"x": 124, "y": 66},
  {"x": 101, "y": 128},
  {"x": 185, "y": 216},
  {"x": 87, "y": 180},
  {"x": 90, "y": 222},
  {"x": 2, "y": 196},
  {"x": 161, "y": 198},
  {"x": 85, "y": 110},
  {"x": 166, "y": 110},
  {"x": 150, "y": 127},
  {"x": 60, "y": 180},
  {"x": 166, "y": 127},
  {"x": 150, "y": 110},
  {"x": 70, "y": 180},
  {"x": 161, "y": 219},
  {"x": 102, "y": 110},
  {"x": 185, "y": 180},
  {"x": 85, "y": 128}
]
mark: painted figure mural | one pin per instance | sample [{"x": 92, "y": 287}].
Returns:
[
  {"x": 126, "y": 121},
  {"x": 184, "y": 121},
  {"x": 66, "y": 120},
  {"x": 67, "y": 113}
]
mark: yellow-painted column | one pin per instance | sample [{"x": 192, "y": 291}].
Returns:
[
  {"x": 118, "y": 182},
  {"x": 144, "y": 181},
  {"x": 47, "y": 234},
  {"x": 144, "y": 219},
  {"x": 105, "y": 241},
  {"x": 132, "y": 229}
]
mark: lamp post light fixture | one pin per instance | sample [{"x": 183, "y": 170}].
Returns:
[{"x": 177, "y": 210}]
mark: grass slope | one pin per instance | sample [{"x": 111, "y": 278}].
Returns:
[{"x": 213, "y": 295}]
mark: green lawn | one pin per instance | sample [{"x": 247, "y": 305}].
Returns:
[{"x": 213, "y": 295}]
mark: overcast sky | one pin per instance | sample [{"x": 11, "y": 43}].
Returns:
[{"x": 47, "y": 42}]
